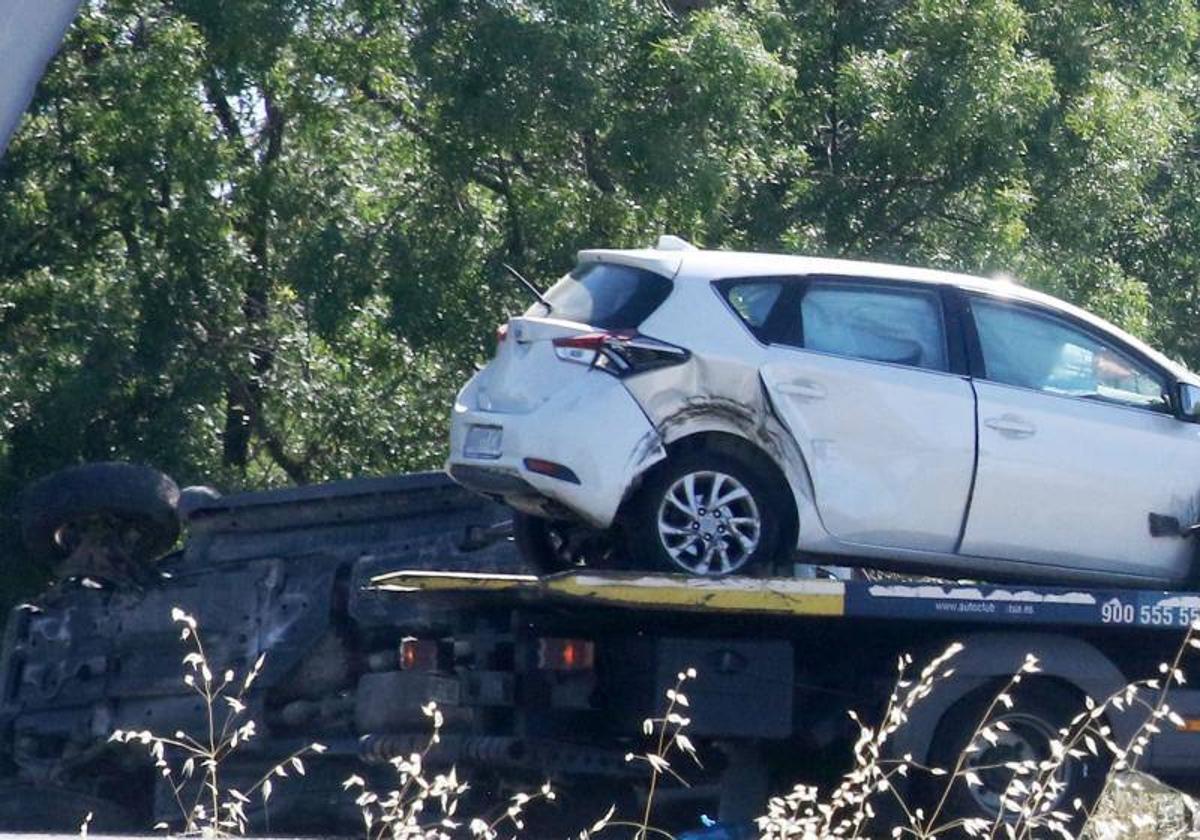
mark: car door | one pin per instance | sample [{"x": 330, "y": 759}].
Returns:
[
  {"x": 862, "y": 376},
  {"x": 1077, "y": 447}
]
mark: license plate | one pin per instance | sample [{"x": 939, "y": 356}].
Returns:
[{"x": 483, "y": 442}]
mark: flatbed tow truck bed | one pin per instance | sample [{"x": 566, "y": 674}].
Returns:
[
  {"x": 924, "y": 601},
  {"x": 781, "y": 661}
]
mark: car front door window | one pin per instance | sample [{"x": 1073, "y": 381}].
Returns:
[{"x": 1032, "y": 350}]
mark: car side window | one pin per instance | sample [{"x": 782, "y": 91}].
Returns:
[
  {"x": 874, "y": 322},
  {"x": 753, "y": 300},
  {"x": 1030, "y": 349}
]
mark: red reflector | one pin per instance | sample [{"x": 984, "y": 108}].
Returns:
[
  {"x": 543, "y": 467},
  {"x": 418, "y": 655},
  {"x": 566, "y": 654}
]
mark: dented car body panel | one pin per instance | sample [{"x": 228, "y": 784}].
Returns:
[{"x": 594, "y": 406}]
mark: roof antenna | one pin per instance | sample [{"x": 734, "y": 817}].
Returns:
[{"x": 532, "y": 288}]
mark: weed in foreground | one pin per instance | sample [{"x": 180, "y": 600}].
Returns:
[
  {"x": 1031, "y": 805},
  {"x": 428, "y": 808},
  {"x": 214, "y": 810},
  {"x": 1033, "y": 801}
]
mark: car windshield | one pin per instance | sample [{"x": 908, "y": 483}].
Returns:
[{"x": 606, "y": 296}]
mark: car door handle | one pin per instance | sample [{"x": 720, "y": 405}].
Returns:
[
  {"x": 1010, "y": 425},
  {"x": 804, "y": 389}
]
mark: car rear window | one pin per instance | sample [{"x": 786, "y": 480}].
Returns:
[{"x": 606, "y": 296}]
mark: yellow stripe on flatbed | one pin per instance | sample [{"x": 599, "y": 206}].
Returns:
[{"x": 777, "y": 596}]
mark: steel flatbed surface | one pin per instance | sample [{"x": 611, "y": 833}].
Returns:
[{"x": 924, "y": 601}]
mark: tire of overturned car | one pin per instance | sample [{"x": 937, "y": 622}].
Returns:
[{"x": 139, "y": 500}]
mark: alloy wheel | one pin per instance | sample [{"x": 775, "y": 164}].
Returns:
[{"x": 709, "y": 523}]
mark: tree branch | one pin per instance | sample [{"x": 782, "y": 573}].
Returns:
[{"x": 215, "y": 94}]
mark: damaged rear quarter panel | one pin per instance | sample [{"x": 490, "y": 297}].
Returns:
[{"x": 708, "y": 394}]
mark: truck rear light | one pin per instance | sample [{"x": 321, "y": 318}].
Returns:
[
  {"x": 566, "y": 655},
  {"x": 619, "y": 353},
  {"x": 420, "y": 655},
  {"x": 544, "y": 467}
]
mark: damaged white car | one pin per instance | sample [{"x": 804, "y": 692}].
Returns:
[{"x": 713, "y": 413}]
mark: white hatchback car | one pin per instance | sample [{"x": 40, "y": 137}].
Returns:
[{"x": 718, "y": 411}]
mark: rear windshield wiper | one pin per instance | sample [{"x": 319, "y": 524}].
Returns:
[{"x": 533, "y": 290}]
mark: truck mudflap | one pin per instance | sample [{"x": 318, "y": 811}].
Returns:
[{"x": 916, "y": 601}]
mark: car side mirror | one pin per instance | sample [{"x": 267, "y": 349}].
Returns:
[{"x": 1189, "y": 401}]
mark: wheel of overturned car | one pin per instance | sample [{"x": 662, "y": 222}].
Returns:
[
  {"x": 136, "y": 504},
  {"x": 1015, "y": 740},
  {"x": 707, "y": 513},
  {"x": 555, "y": 545}
]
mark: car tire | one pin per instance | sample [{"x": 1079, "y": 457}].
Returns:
[
  {"x": 138, "y": 498},
  {"x": 745, "y": 533},
  {"x": 1039, "y": 711}
]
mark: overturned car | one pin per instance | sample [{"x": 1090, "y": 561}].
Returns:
[{"x": 279, "y": 574}]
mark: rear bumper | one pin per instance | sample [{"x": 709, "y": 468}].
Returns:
[{"x": 594, "y": 428}]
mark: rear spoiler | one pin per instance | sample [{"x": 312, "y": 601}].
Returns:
[{"x": 666, "y": 263}]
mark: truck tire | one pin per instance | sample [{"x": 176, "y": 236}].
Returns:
[
  {"x": 135, "y": 498},
  {"x": 742, "y": 534},
  {"x": 1039, "y": 711}
]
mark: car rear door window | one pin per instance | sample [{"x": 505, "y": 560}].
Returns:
[
  {"x": 878, "y": 323},
  {"x": 606, "y": 296},
  {"x": 1032, "y": 349}
]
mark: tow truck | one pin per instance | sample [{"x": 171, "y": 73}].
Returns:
[{"x": 369, "y": 598}]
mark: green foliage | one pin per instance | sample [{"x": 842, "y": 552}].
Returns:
[{"x": 258, "y": 241}]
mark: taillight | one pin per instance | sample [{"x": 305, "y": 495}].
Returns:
[
  {"x": 619, "y": 353},
  {"x": 566, "y": 655},
  {"x": 421, "y": 655},
  {"x": 501, "y": 333}
]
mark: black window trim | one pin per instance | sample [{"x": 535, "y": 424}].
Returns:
[
  {"x": 763, "y": 335},
  {"x": 978, "y": 367}
]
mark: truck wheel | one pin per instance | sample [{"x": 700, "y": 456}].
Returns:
[
  {"x": 138, "y": 502},
  {"x": 706, "y": 513},
  {"x": 555, "y": 545},
  {"x": 1039, "y": 711}
]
